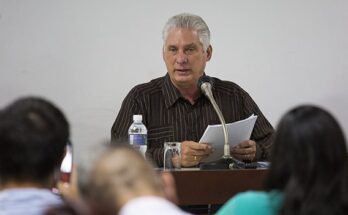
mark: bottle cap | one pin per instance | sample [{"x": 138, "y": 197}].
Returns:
[{"x": 137, "y": 118}]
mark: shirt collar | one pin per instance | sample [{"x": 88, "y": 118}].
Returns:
[{"x": 170, "y": 92}]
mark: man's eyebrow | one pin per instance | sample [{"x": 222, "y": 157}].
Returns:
[
  {"x": 191, "y": 45},
  {"x": 171, "y": 46}
]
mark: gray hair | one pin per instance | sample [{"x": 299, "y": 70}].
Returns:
[{"x": 191, "y": 21}]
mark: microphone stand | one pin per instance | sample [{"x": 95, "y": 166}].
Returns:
[{"x": 227, "y": 161}]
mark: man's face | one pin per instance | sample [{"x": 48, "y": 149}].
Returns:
[{"x": 185, "y": 57}]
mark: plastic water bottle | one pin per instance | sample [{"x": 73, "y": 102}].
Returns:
[{"x": 137, "y": 134}]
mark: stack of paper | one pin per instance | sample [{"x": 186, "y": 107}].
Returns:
[{"x": 237, "y": 132}]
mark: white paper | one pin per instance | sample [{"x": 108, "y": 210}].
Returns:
[{"x": 237, "y": 132}]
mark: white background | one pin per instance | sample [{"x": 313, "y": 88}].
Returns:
[{"x": 86, "y": 55}]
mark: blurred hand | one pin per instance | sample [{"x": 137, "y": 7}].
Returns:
[
  {"x": 245, "y": 150},
  {"x": 69, "y": 190},
  {"x": 192, "y": 153}
]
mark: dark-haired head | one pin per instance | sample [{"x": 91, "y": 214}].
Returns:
[
  {"x": 33, "y": 137},
  {"x": 308, "y": 158}
]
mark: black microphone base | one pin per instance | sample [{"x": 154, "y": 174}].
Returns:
[
  {"x": 227, "y": 163},
  {"x": 222, "y": 163}
]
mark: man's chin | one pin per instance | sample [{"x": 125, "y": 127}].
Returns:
[
  {"x": 183, "y": 84},
  {"x": 183, "y": 81}
]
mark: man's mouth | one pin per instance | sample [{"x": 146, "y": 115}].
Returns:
[{"x": 183, "y": 71}]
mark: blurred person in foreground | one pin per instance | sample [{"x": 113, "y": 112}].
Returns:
[
  {"x": 123, "y": 182},
  {"x": 308, "y": 173},
  {"x": 33, "y": 138},
  {"x": 174, "y": 109}
]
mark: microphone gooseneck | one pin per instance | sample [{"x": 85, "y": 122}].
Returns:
[{"x": 205, "y": 84}]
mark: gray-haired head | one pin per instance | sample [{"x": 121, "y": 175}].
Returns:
[{"x": 191, "y": 21}]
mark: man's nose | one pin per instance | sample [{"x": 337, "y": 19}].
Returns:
[{"x": 181, "y": 58}]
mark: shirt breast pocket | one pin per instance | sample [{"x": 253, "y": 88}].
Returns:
[{"x": 156, "y": 136}]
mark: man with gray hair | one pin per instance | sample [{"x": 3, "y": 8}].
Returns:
[{"x": 173, "y": 107}]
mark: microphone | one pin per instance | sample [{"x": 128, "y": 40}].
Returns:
[{"x": 205, "y": 84}]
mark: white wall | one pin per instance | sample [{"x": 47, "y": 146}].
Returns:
[{"x": 86, "y": 55}]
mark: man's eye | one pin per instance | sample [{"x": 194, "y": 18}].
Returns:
[
  {"x": 190, "y": 50},
  {"x": 172, "y": 49}
]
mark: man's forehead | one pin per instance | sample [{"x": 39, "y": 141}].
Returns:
[
  {"x": 184, "y": 40},
  {"x": 192, "y": 44},
  {"x": 182, "y": 33}
]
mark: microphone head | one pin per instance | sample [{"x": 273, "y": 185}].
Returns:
[
  {"x": 205, "y": 84},
  {"x": 204, "y": 79}
]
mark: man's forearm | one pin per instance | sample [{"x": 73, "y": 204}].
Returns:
[
  {"x": 155, "y": 155},
  {"x": 263, "y": 147}
]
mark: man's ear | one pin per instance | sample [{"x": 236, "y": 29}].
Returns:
[
  {"x": 163, "y": 53},
  {"x": 209, "y": 52}
]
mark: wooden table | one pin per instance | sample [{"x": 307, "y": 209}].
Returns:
[{"x": 201, "y": 187}]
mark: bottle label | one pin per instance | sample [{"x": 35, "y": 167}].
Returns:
[{"x": 137, "y": 139}]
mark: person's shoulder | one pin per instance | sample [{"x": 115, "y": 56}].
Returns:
[
  {"x": 37, "y": 200},
  {"x": 251, "y": 196},
  {"x": 253, "y": 202},
  {"x": 153, "y": 86},
  {"x": 227, "y": 87}
]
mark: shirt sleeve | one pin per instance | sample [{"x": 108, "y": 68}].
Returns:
[
  {"x": 129, "y": 107},
  {"x": 263, "y": 130},
  {"x": 132, "y": 104}
]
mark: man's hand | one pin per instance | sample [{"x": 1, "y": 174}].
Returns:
[
  {"x": 245, "y": 150},
  {"x": 192, "y": 153}
]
